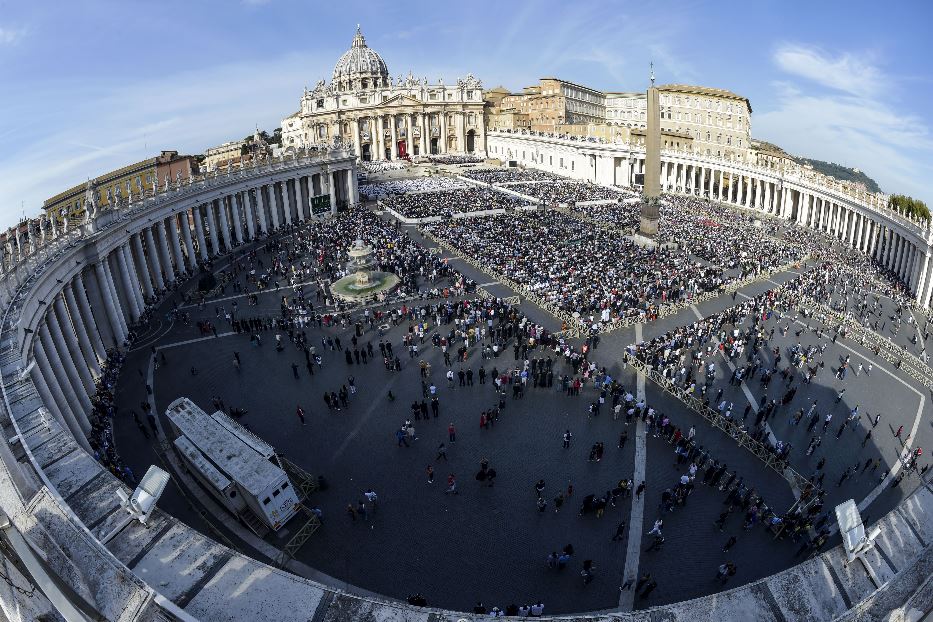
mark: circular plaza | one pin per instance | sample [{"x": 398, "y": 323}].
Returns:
[{"x": 484, "y": 443}]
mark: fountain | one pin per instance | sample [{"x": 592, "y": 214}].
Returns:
[{"x": 362, "y": 281}]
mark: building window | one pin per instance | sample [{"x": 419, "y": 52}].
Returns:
[{"x": 320, "y": 104}]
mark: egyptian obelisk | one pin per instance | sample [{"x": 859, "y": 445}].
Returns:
[{"x": 649, "y": 211}]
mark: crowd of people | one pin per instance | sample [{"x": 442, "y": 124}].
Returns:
[
  {"x": 504, "y": 175},
  {"x": 102, "y": 415},
  {"x": 397, "y": 187},
  {"x": 568, "y": 192},
  {"x": 455, "y": 159},
  {"x": 381, "y": 166},
  {"x": 450, "y": 202},
  {"x": 574, "y": 267}
]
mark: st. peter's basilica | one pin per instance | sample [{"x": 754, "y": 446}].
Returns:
[{"x": 387, "y": 118}]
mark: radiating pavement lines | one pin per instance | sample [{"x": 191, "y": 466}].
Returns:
[{"x": 637, "y": 515}]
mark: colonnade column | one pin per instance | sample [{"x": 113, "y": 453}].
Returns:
[
  {"x": 73, "y": 348},
  {"x": 922, "y": 276},
  {"x": 58, "y": 393},
  {"x": 212, "y": 228},
  {"x": 248, "y": 213},
  {"x": 117, "y": 305},
  {"x": 91, "y": 324},
  {"x": 131, "y": 299},
  {"x": 191, "y": 259},
  {"x": 224, "y": 222},
  {"x": 199, "y": 231},
  {"x": 134, "y": 277},
  {"x": 151, "y": 259},
  {"x": 286, "y": 202},
  {"x": 237, "y": 214},
  {"x": 171, "y": 226},
  {"x": 141, "y": 264},
  {"x": 273, "y": 207},
  {"x": 261, "y": 203},
  {"x": 80, "y": 327},
  {"x": 300, "y": 197},
  {"x": 65, "y": 362},
  {"x": 163, "y": 249}
]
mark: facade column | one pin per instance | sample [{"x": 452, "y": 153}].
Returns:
[
  {"x": 740, "y": 189},
  {"x": 355, "y": 128},
  {"x": 353, "y": 196},
  {"x": 442, "y": 147},
  {"x": 331, "y": 182},
  {"x": 66, "y": 362},
  {"x": 163, "y": 248},
  {"x": 131, "y": 301},
  {"x": 424, "y": 123},
  {"x": 171, "y": 227},
  {"x": 191, "y": 259},
  {"x": 394, "y": 131},
  {"x": 84, "y": 340},
  {"x": 70, "y": 339},
  {"x": 212, "y": 227},
  {"x": 152, "y": 259},
  {"x": 141, "y": 267},
  {"x": 91, "y": 323},
  {"x": 60, "y": 395},
  {"x": 261, "y": 203},
  {"x": 199, "y": 231}
]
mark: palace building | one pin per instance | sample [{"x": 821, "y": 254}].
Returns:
[{"x": 385, "y": 118}]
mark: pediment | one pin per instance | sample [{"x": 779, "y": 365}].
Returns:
[{"x": 400, "y": 100}]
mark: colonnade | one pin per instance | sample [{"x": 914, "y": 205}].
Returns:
[
  {"x": 892, "y": 245},
  {"x": 95, "y": 310},
  {"x": 856, "y": 218}
]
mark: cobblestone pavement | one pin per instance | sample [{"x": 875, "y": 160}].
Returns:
[{"x": 490, "y": 544}]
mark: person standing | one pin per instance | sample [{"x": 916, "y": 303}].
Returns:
[
  {"x": 639, "y": 490},
  {"x": 725, "y": 571},
  {"x": 567, "y": 437},
  {"x": 451, "y": 485},
  {"x": 620, "y": 532},
  {"x": 451, "y": 433},
  {"x": 430, "y": 472},
  {"x": 729, "y": 544}
]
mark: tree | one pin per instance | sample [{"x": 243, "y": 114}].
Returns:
[{"x": 914, "y": 208}]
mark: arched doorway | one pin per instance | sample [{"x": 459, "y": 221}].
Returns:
[
  {"x": 470, "y": 141},
  {"x": 434, "y": 146},
  {"x": 366, "y": 154},
  {"x": 388, "y": 153},
  {"x": 402, "y": 149}
]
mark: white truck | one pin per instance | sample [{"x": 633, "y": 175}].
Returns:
[{"x": 240, "y": 470}]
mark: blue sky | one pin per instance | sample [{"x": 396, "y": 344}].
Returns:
[{"x": 86, "y": 87}]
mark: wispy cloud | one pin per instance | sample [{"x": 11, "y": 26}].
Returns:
[
  {"x": 847, "y": 113},
  {"x": 11, "y": 36},
  {"x": 188, "y": 111},
  {"x": 852, "y": 74}
]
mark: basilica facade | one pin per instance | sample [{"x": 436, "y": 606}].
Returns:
[{"x": 385, "y": 118}]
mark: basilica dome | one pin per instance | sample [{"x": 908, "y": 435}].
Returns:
[{"x": 360, "y": 66}]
